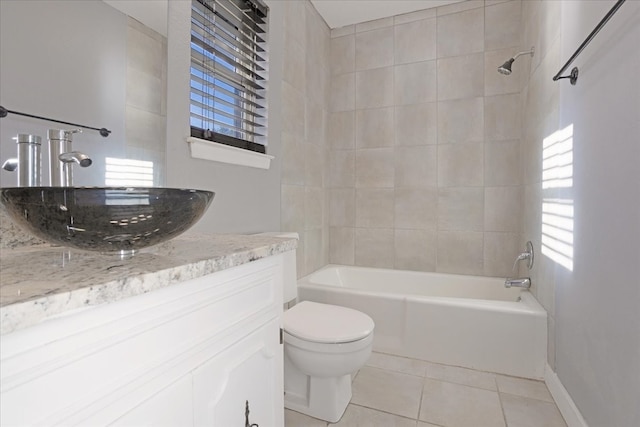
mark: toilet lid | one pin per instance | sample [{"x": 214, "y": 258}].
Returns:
[{"x": 323, "y": 323}]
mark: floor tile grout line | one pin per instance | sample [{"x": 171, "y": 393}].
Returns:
[
  {"x": 383, "y": 411},
  {"x": 504, "y": 415},
  {"x": 529, "y": 397},
  {"x": 424, "y": 380}
]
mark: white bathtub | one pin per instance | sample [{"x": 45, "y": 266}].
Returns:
[{"x": 468, "y": 321}]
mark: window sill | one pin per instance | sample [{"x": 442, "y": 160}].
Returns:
[{"x": 213, "y": 151}]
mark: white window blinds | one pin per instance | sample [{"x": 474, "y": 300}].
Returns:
[{"x": 229, "y": 72}]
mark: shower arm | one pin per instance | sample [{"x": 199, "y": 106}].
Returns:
[{"x": 526, "y": 52}]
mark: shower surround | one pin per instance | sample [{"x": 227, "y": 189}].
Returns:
[{"x": 424, "y": 141}]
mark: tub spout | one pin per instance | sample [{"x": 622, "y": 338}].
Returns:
[{"x": 522, "y": 282}]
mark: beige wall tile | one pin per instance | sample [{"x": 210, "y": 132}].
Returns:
[
  {"x": 314, "y": 165},
  {"x": 375, "y": 128},
  {"x": 500, "y": 251},
  {"x": 459, "y": 7},
  {"x": 461, "y": 120},
  {"x": 295, "y": 20},
  {"x": 342, "y": 207},
  {"x": 461, "y": 77},
  {"x": 292, "y": 210},
  {"x": 145, "y": 49},
  {"x": 415, "y": 83},
  {"x": 342, "y": 169},
  {"x": 502, "y": 163},
  {"x": 460, "y": 252},
  {"x": 343, "y": 55},
  {"x": 375, "y": 168},
  {"x": 144, "y": 129},
  {"x": 503, "y": 25},
  {"x": 375, "y": 24},
  {"x": 313, "y": 249},
  {"x": 374, "y": 208},
  {"x": 293, "y": 160},
  {"x": 374, "y": 88},
  {"x": 343, "y": 31},
  {"x": 374, "y": 49},
  {"x": 414, "y": 16},
  {"x": 374, "y": 247},
  {"x": 416, "y": 166},
  {"x": 415, "y": 250},
  {"x": 341, "y": 130},
  {"x": 343, "y": 92},
  {"x": 293, "y": 110},
  {"x": 503, "y": 208},
  {"x": 144, "y": 91},
  {"x": 502, "y": 119},
  {"x": 460, "y": 165},
  {"x": 461, "y": 33},
  {"x": 461, "y": 209},
  {"x": 416, "y": 124},
  {"x": 342, "y": 245},
  {"x": 313, "y": 207},
  {"x": 294, "y": 56},
  {"x": 415, "y": 41},
  {"x": 314, "y": 122},
  {"x": 416, "y": 208}
]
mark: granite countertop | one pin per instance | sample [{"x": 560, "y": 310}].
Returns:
[{"x": 38, "y": 282}]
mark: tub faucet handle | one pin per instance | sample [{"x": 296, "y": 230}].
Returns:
[{"x": 526, "y": 255}]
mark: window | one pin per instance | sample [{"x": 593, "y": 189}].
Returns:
[{"x": 229, "y": 72}]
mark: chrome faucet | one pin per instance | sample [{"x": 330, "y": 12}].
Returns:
[
  {"x": 61, "y": 157},
  {"x": 28, "y": 163},
  {"x": 522, "y": 282}
]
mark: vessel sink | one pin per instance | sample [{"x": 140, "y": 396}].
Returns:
[{"x": 105, "y": 219}]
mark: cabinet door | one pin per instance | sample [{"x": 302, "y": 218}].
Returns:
[
  {"x": 170, "y": 407},
  {"x": 249, "y": 371}
]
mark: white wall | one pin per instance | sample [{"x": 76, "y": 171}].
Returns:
[
  {"x": 594, "y": 321},
  {"x": 247, "y": 199},
  {"x": 64, "y": 60},
  {"x": 597, "y": 305}
]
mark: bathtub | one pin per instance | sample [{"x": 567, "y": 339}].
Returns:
[{"x": 468, "y": 321}]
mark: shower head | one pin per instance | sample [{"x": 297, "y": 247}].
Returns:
[{"x": 506, "y": 67}]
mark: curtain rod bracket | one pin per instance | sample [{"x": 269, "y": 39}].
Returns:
[{"x": 573, "y": 77}]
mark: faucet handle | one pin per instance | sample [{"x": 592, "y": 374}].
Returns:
[{"x": 62, "y": 134}]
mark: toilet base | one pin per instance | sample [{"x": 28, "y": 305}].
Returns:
[{"x": 322, "y": 398}]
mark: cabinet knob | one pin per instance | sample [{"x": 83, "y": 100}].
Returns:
[{"x": 246, "y": 416}]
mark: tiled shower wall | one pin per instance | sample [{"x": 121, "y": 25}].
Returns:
[
  {"x": 146, "y": 99},
  {"x": 304, "y": 108},
  {"x": 424, "y": 139}
]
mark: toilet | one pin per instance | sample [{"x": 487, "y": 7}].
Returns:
[{"x": 323, "y": 346}]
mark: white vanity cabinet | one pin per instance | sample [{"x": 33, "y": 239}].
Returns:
[{"x": 190, "y": 354}]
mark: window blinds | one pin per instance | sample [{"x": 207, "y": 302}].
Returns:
[{"x": 229, "y": 72}]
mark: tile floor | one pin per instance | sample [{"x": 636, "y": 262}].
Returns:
[{"x": 393, "y": 391}]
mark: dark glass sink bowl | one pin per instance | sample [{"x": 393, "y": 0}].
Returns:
[{"x": 105, "y": 219}]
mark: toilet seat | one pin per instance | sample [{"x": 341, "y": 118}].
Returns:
[{"x": 328, "y": 324}]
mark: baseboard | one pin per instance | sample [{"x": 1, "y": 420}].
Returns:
[{"x": 567, "y": 407}]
